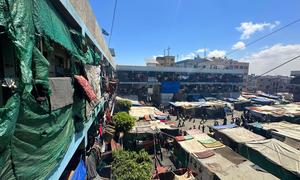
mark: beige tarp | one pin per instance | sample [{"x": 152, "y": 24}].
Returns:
[
  {"x": 141, "y": 111},
  {"x": 225, "y": 169},
  {"x": 192, "y": 145},
  {"x": 278, "y": 152},
  {"x": 149, "y": 126},
  {"x": 241, "y": 135},
  {"x": 289, "y": 131},
  {"x": 222, "y": 167},
  {"x": 292, "y": 109},
  {"x": 199, "y": 104}
]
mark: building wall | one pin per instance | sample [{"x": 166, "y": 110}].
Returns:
[
  {"x": 166, "y": 61},
  {"x": 217, "y": 63},
  {"x": 136, "y": 79},
  {"x": 85, "y": 12},
  {"x": 273, "y": 84},
  {"x": 295, "y": 85}
]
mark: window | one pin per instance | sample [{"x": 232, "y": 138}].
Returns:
[{"x": 59, "y": 62}]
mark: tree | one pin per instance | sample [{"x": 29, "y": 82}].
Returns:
[
  {"x": 131, "y": 165},
  {"x": 123, "y": 105},
  {"x": 123, "y": 121}
]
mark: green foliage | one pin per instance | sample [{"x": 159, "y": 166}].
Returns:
[
  {"x": 123, "y": 121},
  {"x": 131, "y": 165},
  {"x": 123, "y": 105}
]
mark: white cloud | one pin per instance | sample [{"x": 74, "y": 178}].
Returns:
[
  {"x": 189, "y": 56},
  {"x": 266, "y": 59},
  {"x": 216, "y": 53},
  {"x": 249, "y": 28},
  {"x": 239, "y": 45},
  {"x": 202, "y": 50}
]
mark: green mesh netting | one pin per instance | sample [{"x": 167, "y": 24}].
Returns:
[
  {"x": 49, "y": 23},
  {"x": 40, "y": 139},
  {"x": 40, "y": 68},
  {"x": 20, "y": 29},
  {"x": 33, "y": 141},
  {"x": 8, "y": 117}
]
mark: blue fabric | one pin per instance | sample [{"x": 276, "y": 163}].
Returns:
[
  {"x": 256, "y": 124},
  {"x": 228, "y": 126},
  {"x": 170, "y": 87},
  {"x": 80, "y": 171}
]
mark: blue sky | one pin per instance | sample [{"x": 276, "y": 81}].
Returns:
[{"x": 144, "y": 28}]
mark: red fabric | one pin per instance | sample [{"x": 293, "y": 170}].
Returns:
[
  {"x": 108, "y": 117},
  {"x": 179, "y": 138},
  {"x": 204, "y": 154},
  {"x": 86, "y": 87},
  {"x": 100, "y": 129},
  {"x": 163, "y": 121}
]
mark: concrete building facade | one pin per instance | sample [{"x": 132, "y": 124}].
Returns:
[
  {"x": 216, "y": 63},
  {"x": 295, "y": 85},
  {"x": 136, "y": 80},
  {"x": 270, "y": 84}
]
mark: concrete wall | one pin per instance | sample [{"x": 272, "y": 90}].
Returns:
[{"x": 86, "y": 14}]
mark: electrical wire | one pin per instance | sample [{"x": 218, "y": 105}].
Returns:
[
  {"x": 113, "y": 22},
  {"x": 288, "y": 61},
  {"x": 265, "y": 36}
]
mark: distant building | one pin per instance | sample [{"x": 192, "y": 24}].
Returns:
[
  {"x": 162, "y": 83},
  {"x": 295, "y": 85},
  {"x": 165, "y": 61},
  {"x": 269, "y": 84},
  {"x": 216, "y": 63},
  {"x": 251, "y": 83}
]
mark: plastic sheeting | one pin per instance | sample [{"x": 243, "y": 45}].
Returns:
[
  {"x": 33, "y": 138},
  {"x": 40, "y": 139},
  {"x": 241, "y": 135},
  {"x": 274, "y": 156},
  {"x": 8, "y": 118}
]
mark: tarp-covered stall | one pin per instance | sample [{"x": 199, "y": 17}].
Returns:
[
  {"x": 274, "y": 156},
  {"x": 286, "y": 132},
  {"x": 216, "y": 161},
  {"x": 233, "y": 137},
  {"x": 288, "y": 112}
]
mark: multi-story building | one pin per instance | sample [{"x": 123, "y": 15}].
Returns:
[
  {"x": 168, "y": 81},
  {"x": 216, "y": 63},
  {"x": 295, "y": 85},
  {"x": 251, "y": 83},
  {"x": 165, "y": 61},
  {"x": 272, "y": 84},
  {"x": 55, "y": 73}
]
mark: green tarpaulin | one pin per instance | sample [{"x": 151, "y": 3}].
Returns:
[{"x": 33, "y": 138}]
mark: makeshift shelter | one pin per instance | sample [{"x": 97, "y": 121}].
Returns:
[
  {"x": 221, "y": 166},
  {"x": 233, "y": 137},
  {"x": 215, "y": 162},
  {"x": 286, "y": 132},
  {"x": 239, "y": 103},
  {"x": 214, "y": 109},
  {"x": 288, "y": 112},
  {"x": 274, "y": 156},
  {"x": 141, "y": 112}
]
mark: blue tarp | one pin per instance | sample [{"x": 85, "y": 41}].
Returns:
[
  {"x": 228, "y": 126},
  {"x": 80, "y": 171},
  {"x": 170, "y": 87},
  {"x": 256, "y": 124}
]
